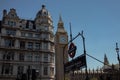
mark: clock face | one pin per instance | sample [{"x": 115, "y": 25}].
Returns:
[{"x": 63, "y": 39}]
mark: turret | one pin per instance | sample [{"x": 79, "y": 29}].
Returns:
[
  {"x": 43, "y": 12},
  {"x": 106, "y": 62},
  {"x": 4, "y": 13},
  {"x": 43, "y": 18}
]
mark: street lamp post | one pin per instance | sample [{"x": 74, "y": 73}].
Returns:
[{"x": 117, "y": 51}]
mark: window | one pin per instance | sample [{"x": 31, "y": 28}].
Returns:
[
  {"x": 46, "y": 28},
  {"x": 51, "y": 58},
  {"x": 37, "y": 46},
  {"x": 29, "y": 57},
  {"x": 30, "y": 35},
  {"x": 51, "y": 71},
  {"x": 23, "y": 34},
  {"x": 45, "y": 70},
  {"x": 44, "y": 20},
  {"x": 45, "y": 36},
  {"x": 51, "y": 47},
  {"x": 12, "y": 16},
  {"x": 10, "y": 32},
  {"x": 37, "y": 35},
  {"x": 11, "y": 23},
  {"x": 9, "y": 43},
  {"x": 30, "y": 25},
  {"x": 45, "y": 46},
  {"x": 45, "y": 13},
  {"x": 7, "y": 68},
  {"x": 20, "y": 69},
  {"x": 46, "y": 57},
  {"x": 21, "y": 57},
  {"x": 8, "y": 56},
  {"x": 23, "y": 25},
  {"x": 30, "y": 45},
  {"x": 37, "y": 57},
  {"x": 22, "y": 44}
]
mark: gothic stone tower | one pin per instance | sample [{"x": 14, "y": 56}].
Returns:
[{"x": 61, "y": 40}]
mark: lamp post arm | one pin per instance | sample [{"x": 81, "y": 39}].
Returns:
[{"x": 74, "y": 38}]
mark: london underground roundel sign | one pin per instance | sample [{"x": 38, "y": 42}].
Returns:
[{"x": 72, "y": 50}]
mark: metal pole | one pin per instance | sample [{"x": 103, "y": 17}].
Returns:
[
  {"x": 117, "y": 51},
  {"x": 70, "y": 32},
  {"x": 83, "y": 38},
  {"x": 64, "y": 50}
]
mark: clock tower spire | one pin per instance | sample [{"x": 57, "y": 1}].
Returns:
[
  {"x": 61, "y": 56},
  {"x": 60, "y": 25}
]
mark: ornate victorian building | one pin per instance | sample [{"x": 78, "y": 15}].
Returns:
[{"x": 27, "y": 46}]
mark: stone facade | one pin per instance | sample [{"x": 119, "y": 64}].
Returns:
[
  {"x": 61, "y": 47},
  {"x": 27, "y": 46}
]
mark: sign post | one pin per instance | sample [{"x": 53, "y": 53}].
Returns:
[{"x": 80, "y": 61}]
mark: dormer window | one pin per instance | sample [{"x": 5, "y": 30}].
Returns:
[
  {"x": 45, "y": 13},
  {"x": 12, "y": 15},
  {"x": 30, "y": 25},
  {"x": 23, "y": 24},
  {"x": 11, "y": 23}
]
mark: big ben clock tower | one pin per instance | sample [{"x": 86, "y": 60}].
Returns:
[{"x": 61, "y": 40}]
